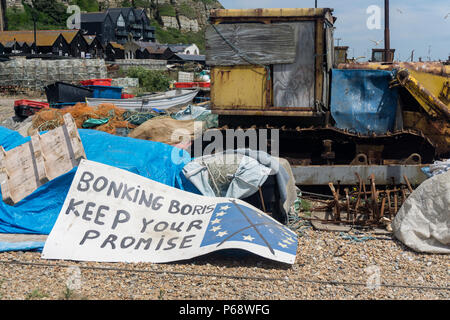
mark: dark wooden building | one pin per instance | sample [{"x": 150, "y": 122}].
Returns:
[
  {"x": 99, "y": 24},
  {"x": 48, "y": 41},
  {"x": 184, "y": 58},
  {"x": 153, "y": 50},
  {"x": 78, "y": 45},
  {"x": 96, "y": 49},
  {"x": 117, "y": 23},
  {"x": 113, "y": 51}
]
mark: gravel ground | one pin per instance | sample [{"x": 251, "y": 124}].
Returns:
[{"x": 327, "y": 267}]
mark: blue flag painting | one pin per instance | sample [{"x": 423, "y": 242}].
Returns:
[{"x": 235, "y": 222}]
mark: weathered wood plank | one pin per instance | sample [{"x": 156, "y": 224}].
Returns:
[
  {"x": 39, "y": 161},
  {"x": 77, "y": 146},
  {"x": 4, "y": 185},
  {"x": 264, "y": 44},
  {"x": 293, "y": 84},
  {"x": 45, "y": 157}
]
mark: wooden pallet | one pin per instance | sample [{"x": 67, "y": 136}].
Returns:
[{"x": 47, "y": 156}]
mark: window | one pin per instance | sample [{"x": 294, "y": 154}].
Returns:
[
  {"x": 120, "y": 21},
  {"x": 131, "y": 17}
]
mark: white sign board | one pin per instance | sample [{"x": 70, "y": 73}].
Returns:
[{"x": 112, "y": 215}]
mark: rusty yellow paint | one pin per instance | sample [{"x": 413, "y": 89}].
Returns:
[
  {"x": 320, "y": 49},
  {"x": 433, "y": 83},
  {"x": 426, "y": 91},
  {"x": 438, "y": 131},
  {"x": 239, "y": 87}
]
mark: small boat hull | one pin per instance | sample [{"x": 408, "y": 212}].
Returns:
[{"x": 163, "y": 101}]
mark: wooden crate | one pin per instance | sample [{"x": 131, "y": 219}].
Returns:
[{"x": 45, "y": 157}]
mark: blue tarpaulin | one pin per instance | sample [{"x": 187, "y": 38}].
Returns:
[
  {"x": 362, "y": 102},
  {"x": 37, "y": 213}
]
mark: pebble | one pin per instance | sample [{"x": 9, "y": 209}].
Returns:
[{"x": 222, "y": 275}]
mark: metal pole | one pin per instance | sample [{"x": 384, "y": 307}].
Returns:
[
  {"x": 2, "y": 15},
  {"x": 387, "y": 37},
  {"x": 315, "y": 4},
  {"x": 35, "y": 44}
]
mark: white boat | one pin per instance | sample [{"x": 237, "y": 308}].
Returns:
[{"x": 159, "y": 101}]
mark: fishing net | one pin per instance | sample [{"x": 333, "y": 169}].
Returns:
[{"x": 49, "y": 119}]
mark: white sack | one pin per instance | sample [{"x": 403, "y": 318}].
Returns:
[{"x": 423, "y": 222}]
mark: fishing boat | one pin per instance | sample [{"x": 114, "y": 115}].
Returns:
[{"x": 159, "y": 101}]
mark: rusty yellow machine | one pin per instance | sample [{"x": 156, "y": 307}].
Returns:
[{"x": 275, "y": 69}]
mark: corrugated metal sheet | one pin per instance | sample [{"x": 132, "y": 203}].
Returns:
[{"x": 361, "y": 100}]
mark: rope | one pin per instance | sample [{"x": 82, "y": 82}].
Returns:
[
  {"x": 355, "y": 239},
  {"x": 332, "y": 282}
]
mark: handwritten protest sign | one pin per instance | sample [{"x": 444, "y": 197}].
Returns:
[{"x": 113, "y": 215}]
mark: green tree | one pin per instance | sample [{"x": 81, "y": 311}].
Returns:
[{"x": 150, "y": 80}]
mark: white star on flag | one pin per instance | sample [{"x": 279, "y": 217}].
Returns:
[
  {"x": 214, "y": 229},
  {"x": 249, "y": 238},
  {"x": 282, "y": 245},
  {"x": 224, "y": 207},
  {"x": 221, "y": 213},
  {"x": 216, "y": 221},
  {"x": 286, "y": 241},
  {"x": 222, "y": 233}
]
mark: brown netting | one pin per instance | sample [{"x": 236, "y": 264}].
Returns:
[{"x": 49, "y": 119}]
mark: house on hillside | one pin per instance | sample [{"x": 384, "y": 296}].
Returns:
[
  {"x": 184, "y": 58},
  {"x": 98, "y": 24},
  {"x": 152, "y": 50},
  {"x": 47, "y": 42},
  {"x": 148, "y": 31},
  {"x": 159, "y": 52},
  {"x": 120, "y": 26},
  {"x": 132, "y": 21},
  {"x": 184, "y": 48},
  {"x": 116, "y": 24}
]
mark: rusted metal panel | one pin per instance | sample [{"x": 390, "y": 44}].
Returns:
[
  {"x": 293, "y": 84},
  {"x": 283, "y": 112},
  {"x": 238, "y": 87},
  {"x": 280, "y": 14},
  {"x": 437, "y": 131},
  {"x": 436, "y": 68},
  {"x": 429, "y": 102},
  {"x": 319, "y": 59},
  {"x": 249, "y": 43}
]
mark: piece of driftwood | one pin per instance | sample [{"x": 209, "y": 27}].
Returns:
[
  {"x": 45, "y": 157},
  {"x": 251, "y": 43},
  {"x": 293, "y": 83}
]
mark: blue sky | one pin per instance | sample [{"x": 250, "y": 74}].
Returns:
[{"x": 419, "y": 25}]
